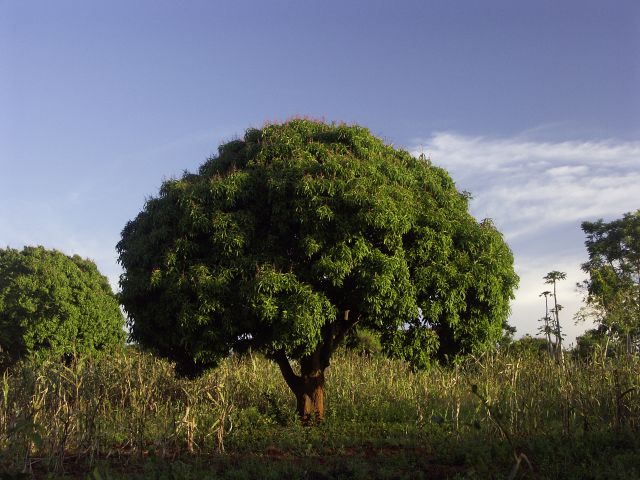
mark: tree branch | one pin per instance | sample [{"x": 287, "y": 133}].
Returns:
[
  {"x": 336, "y": 334},
  {"x": 293, "y": 380}
]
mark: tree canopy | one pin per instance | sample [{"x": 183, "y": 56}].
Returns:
[
  {"x": 294, "y": 234},
  {"x": 53, "y": 304},
  {"x": 613, "y": 287}
]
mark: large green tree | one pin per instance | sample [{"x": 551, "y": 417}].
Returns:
[
  {"x": 290, "y": 237},
  {"x": 613, "y": 287},
  {"x": 53, "y": 304}
]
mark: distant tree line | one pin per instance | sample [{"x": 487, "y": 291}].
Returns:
[{"x": 611, "y": 295}]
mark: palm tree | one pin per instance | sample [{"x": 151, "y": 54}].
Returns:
[
  {"x": 547, "y": 327},
  {"x": 552, "y": 278}
]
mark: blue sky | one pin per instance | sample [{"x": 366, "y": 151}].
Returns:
[{"x": 533, "y": 107}]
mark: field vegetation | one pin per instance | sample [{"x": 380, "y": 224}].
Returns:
[{"x": 514, "y": 413}]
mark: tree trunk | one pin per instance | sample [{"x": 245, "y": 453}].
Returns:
[
  {"x": 310, "y": 397},
  {"x": 308, "y": 387},
  {"x": 547, "y": 330},
  {"x": 559, "y": 353}
]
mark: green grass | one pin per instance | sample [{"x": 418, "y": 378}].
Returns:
[{"x": 128, "y": 416}]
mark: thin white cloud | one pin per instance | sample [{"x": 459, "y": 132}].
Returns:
[
  {"x": 494, "y": 153},
  {"x": 576, "y": 170},
  {"x": 527, "y": 186},
  {"x": 538, "y": 193}
]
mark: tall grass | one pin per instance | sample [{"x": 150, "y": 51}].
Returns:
[{"x": 131, "y": 406}]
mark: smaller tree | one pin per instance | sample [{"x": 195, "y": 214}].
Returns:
[
  {"x": 613, "y": 288},
  {"x": 53, "y": 304}
]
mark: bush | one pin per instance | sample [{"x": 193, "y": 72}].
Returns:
[{"x": 364, "y": 342}]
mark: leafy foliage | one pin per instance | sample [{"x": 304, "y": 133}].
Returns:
[
  {"x": 613, "y": 288},
  {"x": 593, "y": 343},
  {"x": 528, "y": 345},
  {"x": 296, "y": 233},
  {"x": 363, "y": 341},
  {"x": 51, "y": 303}
]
